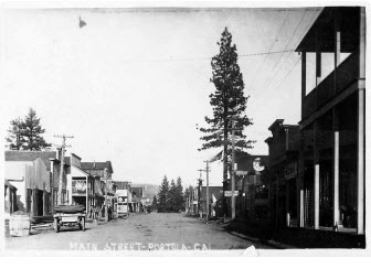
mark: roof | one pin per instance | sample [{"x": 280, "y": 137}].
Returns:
[
  {"x": 78, "y": 157},
  {"x": 6, "y": 182},
  {"x": 97, "y": 166},
  {"x": 67, "y": 160},
  {"x": 122, "y": 185},
  {"x": 279, "y": 124},
  {"x": 323, "y": 30},
  {"x": 30, "y": 156}
]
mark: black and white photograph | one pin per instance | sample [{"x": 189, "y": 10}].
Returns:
[{"x": 162, "y": 129}]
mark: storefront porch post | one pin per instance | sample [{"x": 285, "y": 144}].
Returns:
[
  {"x": 360, "y": 163},
  {"x": 316, "y": 195},
  {"x": 335, "y": 120},
  {"x": 300, "y": 183},
  {"x": 336, "y": 164},
  {"x": 361, "y": 128},
  {"x": 287, "y": 203},
  {"x": 87, "y": 195}
]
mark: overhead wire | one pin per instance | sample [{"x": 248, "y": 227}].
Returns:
[
  {"x": 271, "y": 47},
  {"x": 293, "y": 34},
  {"x": 304, "y": 33},
  {"x": 206, "y": 58}
]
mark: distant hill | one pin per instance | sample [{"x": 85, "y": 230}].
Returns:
[{"x": 149, "y": 190}]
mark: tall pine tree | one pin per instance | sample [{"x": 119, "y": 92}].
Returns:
[
  {"x": 32, "y": 132},
  {"x": 228, "y": 102},
  {"x": 154, "y": 202},
  {"x": 173, "y": 205},
  {"x": 163, "y": 194},
  {"x": 179, "y": 189}
]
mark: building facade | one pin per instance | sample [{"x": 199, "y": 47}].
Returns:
[
  {"x": 283, "y": 173},
  {"x": 10, "y": 199},
  {"x": 35, "y": 175},
  {"x": 332, "y": 150},
  {"x": 96, "y": 175}
]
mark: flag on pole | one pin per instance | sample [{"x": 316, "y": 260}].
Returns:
[
  {"x": 81, "y": 22},
  {"x": 217, "y": 157}
]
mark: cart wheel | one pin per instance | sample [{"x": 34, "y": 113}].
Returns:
[
  {"x": 82, "y": 224},
  {"x": 56, "y": 225}
]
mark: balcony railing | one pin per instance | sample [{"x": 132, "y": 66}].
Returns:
[{"x": 346, "y": 73}]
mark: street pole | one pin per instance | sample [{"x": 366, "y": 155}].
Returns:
[
  {"x": 207, "y": 191},
  {"x": 190, "y": 198},
  {"x": 232, "y": 175},
  {"x": 106, "y": 205},
  {"x": 60, "y": 183},
  {"x": 200, "y": 193}
]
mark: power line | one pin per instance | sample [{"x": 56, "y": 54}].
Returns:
[
  {"x": 297, "y": 61},
  {"x": 210, "y": 58},
  {"x": 274, "y": 41},
  {"x": 304, "y": 33},
  {"x": 302, "y": 36},
  {"x": 297, "y": 27}
]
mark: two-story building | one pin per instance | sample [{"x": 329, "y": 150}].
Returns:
[
  {"x": 283, "y": 173},
  {"x": 136, "y": 194},
  {"x": 332, "y": 153},
  {"x": 97, "y": 173}
]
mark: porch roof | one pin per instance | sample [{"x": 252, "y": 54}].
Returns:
[{"x": 321, "y": 35}]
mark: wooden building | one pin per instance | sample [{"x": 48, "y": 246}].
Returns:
[
  {"x": 283, "y": 173},
  {"x": 332, "y": 151}
]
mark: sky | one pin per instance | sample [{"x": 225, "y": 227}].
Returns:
[{"x": 132, "y": 84}]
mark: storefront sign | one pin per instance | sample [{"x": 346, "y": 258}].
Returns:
[
  {"x": 229, "y": 193},
  {"x": 78, "y": 186}
]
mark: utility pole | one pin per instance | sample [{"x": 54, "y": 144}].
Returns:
[
  {"x": 207, "y": 191},
  {"x": 199, "y": 193},
  {"x": 105, "y": 198},
  {"x": 191, "y": 201},
  {"x": 63, "y": 149}
]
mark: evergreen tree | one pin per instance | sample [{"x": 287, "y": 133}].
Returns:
[
  {"x": 227, "y": 101},
  {"x": 15, "y": 138},
  {"x": 32, "y": 132},
  {"x": 154, "y": 203},
  {"x": 163, "y": 195},
  {"x": 172, "y": 205},
  {"x": 179, "y": 189}
]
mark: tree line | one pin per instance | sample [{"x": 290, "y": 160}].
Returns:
[
  {"x": 170, "y": 196},
  {"x": 26, "y": 133}
]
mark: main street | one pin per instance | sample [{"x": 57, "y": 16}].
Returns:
[{"x": 144, "y": 232}]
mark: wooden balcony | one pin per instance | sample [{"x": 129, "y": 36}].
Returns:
[{"x": 346, "y": 73}]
